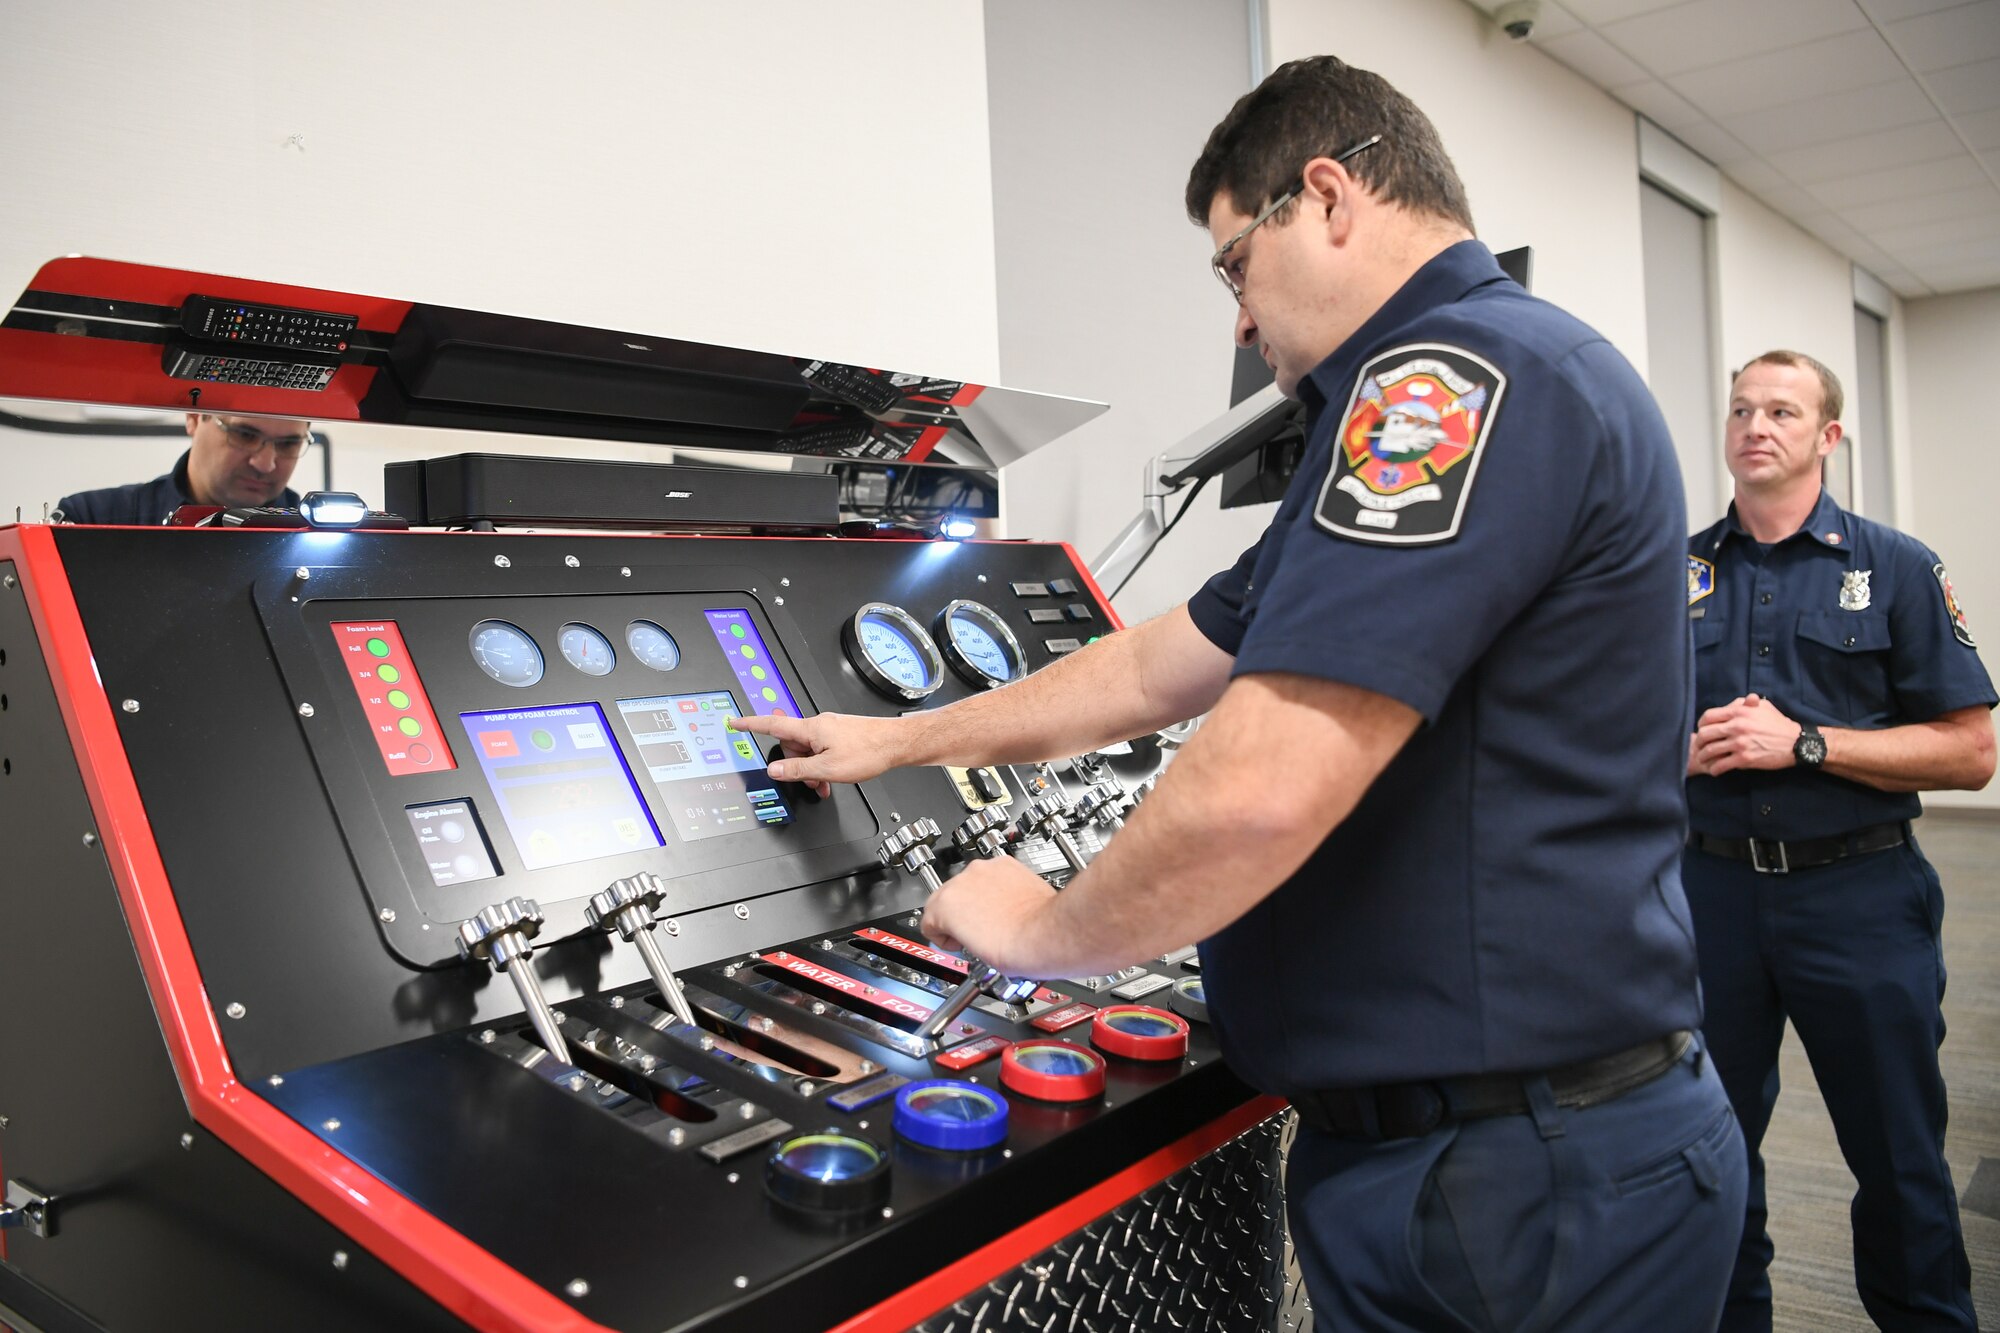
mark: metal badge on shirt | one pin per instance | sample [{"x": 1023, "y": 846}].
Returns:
[
  {"x": 1410, "y": 445},
  {"x": 1960, "y": 630},
  {"x": 1854, "y": 590}
]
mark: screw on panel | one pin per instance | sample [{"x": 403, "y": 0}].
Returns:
[
  {"x": 330, "y": 1125},
  {"x": 747, "y": 1111},
  {"x": 387, "y": 915},
  {"x": 340, "y": 1261},
  {"x": 677, "y": 1136},
  {"x": 90, "y": 839},
  {"x": 742, "y": 911},
  {"x": 572, "y": 562},
  {"x": 4, "y": 1122},
  {"x": 673, "y": 926},
  {"x": 807, "y": 1088},
  {"x": 502, "y": 562},
  {"x": 779, "y": 600},
  {"x": 487, "y": 1037},
  {"x": 305, "y": 710},
  {"x": 130, "y": 705},
  {"x": 235, "y": 1009},
  {"x": 741, "y": 1282},
  {"x": 276, "y": 1080},
  {"x": 734, "y": 1177},
  {"x": 302, "y": 573},
  {"x": 866, "y": 1066},
  {"x": 784, "y": 583},
  {"x": 10, "y": 580},
  {"x": 578, "y": 1289},
  {"x": 187, "y": 1141},
  {"x": 624, "y": 571},
  {"x": 618, "y": 1002},
  {"x": 707, "y": 1043},
  {"x": 888, "y": 1213},
  {"x": 982, "y": 578}
]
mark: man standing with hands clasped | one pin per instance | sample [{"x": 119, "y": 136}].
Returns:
[{"x": 1835, "y": 678}]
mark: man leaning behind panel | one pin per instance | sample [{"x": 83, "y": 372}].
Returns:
[
  {"x": 1836, "y": 678},
  {"x": 1429, "y": 837},
  {"x": 230, "y": 461}
]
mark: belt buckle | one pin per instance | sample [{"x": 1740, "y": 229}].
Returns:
[{"x": 1783, "y": 866}]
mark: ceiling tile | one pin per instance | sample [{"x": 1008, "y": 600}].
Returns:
[
  {"x": 1900, "y": 182},
  {"x": 1601, "y": 12},
  {"x": 1964, "y": 278},
  {"x": 1659, "y": 103},
  {"x": 1716, "y": 32},
  {"x": 1888, "y": 11},
  {"x": 1594, "y": 58},
  {"x": 1978, "y": 250},
  {"x": 1948, "y": 37},
  {"x": 1904, "y": 210},
  {"x": 1830, "y": 229},
  {"x": 1880, "y": 106},
  {"x": 1851, "y": 60},
  {"x": 1980, "y": 128},
  {"x": 1922, "y": 230},
  {"x": 1973, "y": 87},
  {"x": 1865, "y": 153},
  {"x": 1904, "y": 283},
  {"x": 1717, "y": 145}
]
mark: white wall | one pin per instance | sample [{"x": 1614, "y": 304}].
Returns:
[
  {"x": 1951, "y": 341},
  {"x": 791, "y": 175}
]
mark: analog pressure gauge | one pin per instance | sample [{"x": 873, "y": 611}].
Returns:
[
  {"x": 978, "y": 644},
  {"x": 506, "y": 653},
  {"x": 586, "y": 650},
  {"x": 892, "y": 652},
  {"x": 652, "y": 645}
]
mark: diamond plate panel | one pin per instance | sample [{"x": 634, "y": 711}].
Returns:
[{"x": 1203, "y": 1251}]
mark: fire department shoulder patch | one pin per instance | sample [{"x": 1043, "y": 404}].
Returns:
[
  {"x": 1960, "y": 630},
  {"x": 1409, "y": 446}
]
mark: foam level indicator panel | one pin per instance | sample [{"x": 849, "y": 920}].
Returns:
[{"x": 399, "y": 711}]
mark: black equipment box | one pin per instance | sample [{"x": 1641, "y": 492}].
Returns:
[{"x": 515, "y": 491}]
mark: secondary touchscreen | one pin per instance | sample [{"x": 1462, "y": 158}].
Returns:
[
  {"x": 563, "y": 787},
  {"x": 711, "y": 780}
]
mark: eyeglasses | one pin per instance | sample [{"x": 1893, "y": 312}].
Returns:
[
  {"x": 249, "y": 440},
  {"x": 1219, "y": 261}
]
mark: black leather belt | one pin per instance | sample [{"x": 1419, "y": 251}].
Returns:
[
  {"x": 1412, "y": 1110},
  {"x": 1768, "y": 857}
]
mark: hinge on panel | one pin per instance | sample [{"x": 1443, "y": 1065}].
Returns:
[{"x": 26, "y": 1206}]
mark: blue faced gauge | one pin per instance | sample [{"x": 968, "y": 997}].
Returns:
[
  {"x": 978, "y": 644},
  {"x": 506, "y": 653},
  {"x": 892, "y": 652},
  {"x": 586, "y": 650},
  {"x": 652, "y": 645}
]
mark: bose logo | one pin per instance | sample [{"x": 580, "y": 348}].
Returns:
[{"x": 678, "y": 495}]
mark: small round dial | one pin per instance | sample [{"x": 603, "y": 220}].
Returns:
[
  {"x": 506, "y": 653},
  {"x": 586, "y": 650},
  {"x": 652, "y": 645},
  {"x": 892, "y": 652},
  {"x": 978, "y": 644}
]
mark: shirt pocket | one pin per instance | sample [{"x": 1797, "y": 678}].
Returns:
[
  {"x": 1844, "y": 664},
  {"x": 1714, "y": 685}
]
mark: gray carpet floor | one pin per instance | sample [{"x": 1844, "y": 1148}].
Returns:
[{"x": 1809, "y": 1185}]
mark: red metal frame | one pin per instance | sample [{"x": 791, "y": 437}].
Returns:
[{"x": 465, "y": 1279}]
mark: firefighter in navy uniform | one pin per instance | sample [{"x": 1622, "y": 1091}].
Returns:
[
  {"x": 1429, "y": 834},
  {"x": 230, "y": 461},
  {"x": 1836, "y": 678}
]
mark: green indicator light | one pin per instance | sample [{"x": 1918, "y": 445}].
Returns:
[
  {"x": 378, "y": 648},
  {"x": 706, "y": 705},
  {"x": 738, "y": 631},
  {"x": 409, "y": 726},
  {"x": 758, "y": 672},
  {"x": 749, "y": 653},
  {"x": 387, "y": 674},
  {"x": 541, "y": 740},
  {"x": 398, "y": 699},
  {"x": 770, "y": 695}
]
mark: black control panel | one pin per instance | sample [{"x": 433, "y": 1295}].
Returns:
[{"x": 251, "y": 325}]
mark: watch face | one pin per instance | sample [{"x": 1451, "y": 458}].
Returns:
[{"x": 1811, "y": 749}]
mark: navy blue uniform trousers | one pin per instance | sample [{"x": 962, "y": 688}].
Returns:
[
  {"x": 1621, "y": 1216},
  {"x": 1850, "y": 953}
]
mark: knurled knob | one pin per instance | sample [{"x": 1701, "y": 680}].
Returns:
[
  {"x": 982, "y": 833},
  {"x": 628, "y": 904},
  {"x": 1047, "y": 815},
  {"x": 478, "y": 934},
  {"x": 917, "y": 833}
]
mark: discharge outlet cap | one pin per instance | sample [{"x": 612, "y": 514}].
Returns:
[
  {"x": 1052, "y": 1071},
  {"x": 1139, "y": 1032},
  {"x": 828, "y": 1172},
  {"x": 951, "y": 1116}
]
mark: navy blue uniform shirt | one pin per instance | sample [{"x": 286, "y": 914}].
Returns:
[
  {"x": 1845, "y": 623},
  {"x": 1487, "y": 526},
  {"x": 144, "y": 504}
]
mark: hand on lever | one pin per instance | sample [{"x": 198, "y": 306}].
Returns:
[
  {"x": 827, "y": 748},
  {"x": 995, "y": 910}
]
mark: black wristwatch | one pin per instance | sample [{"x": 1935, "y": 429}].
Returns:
[{"x": 1810, "y": 748}]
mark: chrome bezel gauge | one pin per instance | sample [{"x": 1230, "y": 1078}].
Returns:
[
  {"x": 652, "y": 636},
  {"x": 905, "y": 625},
  {"x": 987, "y": 619},
  {"x": 514, "y": 637},
  {"x": 577, "y": 633}
]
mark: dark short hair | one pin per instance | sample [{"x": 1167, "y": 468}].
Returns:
[
  {"x": 1831, "y": 399},
  {"x": 1315, "y": 108}
]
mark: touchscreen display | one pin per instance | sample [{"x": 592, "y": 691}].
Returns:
[
  {"x": 711, "y": 780},
  {"x": 563, "y": 787},
  {"x": 737, "y": 633}
]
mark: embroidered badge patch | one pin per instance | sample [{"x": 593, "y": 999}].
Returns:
[
  {"x": 1854, "y": 590},
  {"x": 1961, "y": 630},
  {"x": 1701, "y": 579},
  {"x": 1409, "y": 446}
]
